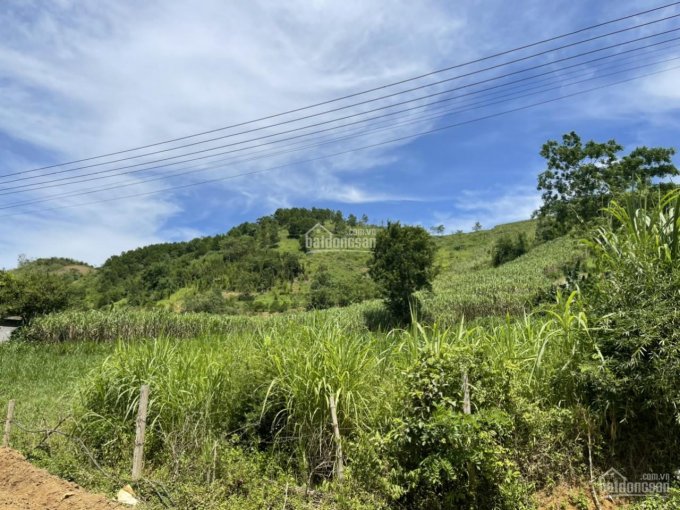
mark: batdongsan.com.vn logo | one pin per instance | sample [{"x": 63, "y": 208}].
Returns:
[
  {"x": 614, "y": 484},
  {"x": 319, "y": 238}
]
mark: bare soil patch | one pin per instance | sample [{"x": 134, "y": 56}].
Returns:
[{"x": 26, "y": 487}]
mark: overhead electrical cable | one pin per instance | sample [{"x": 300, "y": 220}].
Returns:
[
  {"x": 601, "y": 36},
  {"x": 352, "y": 150},
  {"x": 87, "y": 176},
  {"x": 431, "y": 115}
]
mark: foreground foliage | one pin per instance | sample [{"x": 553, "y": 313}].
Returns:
[{"x": 634, "y": 302}]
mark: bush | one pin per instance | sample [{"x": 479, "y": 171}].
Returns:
[
  {"x": 329, "y": 289},
  {"x": 506, "y": 249},
  {"x": 633, "y": 301},
  {"x": 439, "y": 457},
  {"x": 33, "y": 293},
  {"x": 210, "y": 301}
]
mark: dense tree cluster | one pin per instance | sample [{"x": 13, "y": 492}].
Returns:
[
  {"x": 243, "y": 262},
  {"x": 581, "y": 179}
]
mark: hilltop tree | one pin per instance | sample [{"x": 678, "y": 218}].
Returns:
[
  {"x": 477, "y": 227},
  {"x": 33, "y": 293},
  {"x": 438, "y": 229},
  {"x": 581, "y": 179},
  {"x": 403, "y": 262},
  {"x": 268, "y": 232}
]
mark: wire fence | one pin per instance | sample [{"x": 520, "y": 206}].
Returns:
[{"x": 157, "y": 487}]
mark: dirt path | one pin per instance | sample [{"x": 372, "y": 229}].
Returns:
[{"x": 26, "y": 487}]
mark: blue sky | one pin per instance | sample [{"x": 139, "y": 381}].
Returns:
[{"x": 78, "y": 80}]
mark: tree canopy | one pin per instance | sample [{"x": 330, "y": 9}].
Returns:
[
  {"x": 403, "y": 262},
  {"x": 581, "y": 179}
]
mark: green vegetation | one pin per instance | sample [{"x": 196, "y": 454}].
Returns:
[
  {"x": 256, "y": 267},
  {"x": 582, "y": 178},
  {"x": 633, "y": 301},
  {"x": 403, "y": 262},
  {"x": 529, "y": 365},
  {"x": 31, "y": 293},
  {"x": 507, "y": 249}
]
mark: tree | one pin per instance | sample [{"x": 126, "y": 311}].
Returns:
[
  {"x": 352, "y": 220},
  {"x": 364, "y": 219},
  {"x": 268, "y": 232},
  {"x": 581, "y": 179},
  {"x": 477, "y": 227},
  {"x": 438, "y": 229},
  {"x": 402, "y": 263},
  {"x": 33, "y": 293}
]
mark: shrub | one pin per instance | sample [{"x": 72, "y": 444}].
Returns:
[
  {"x": 439, "y": 457},
  {"x": 328, "y": 289},
  {"x": 210, "y": 301},
  {"x": 633, "y": 300},
  {"x": 33, "y": 292},
  {"x": 507, "y": 249}
]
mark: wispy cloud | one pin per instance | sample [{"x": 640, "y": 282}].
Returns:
[
  {"x": 490, "y": 207},
  {"x": 77, "y": 80}
]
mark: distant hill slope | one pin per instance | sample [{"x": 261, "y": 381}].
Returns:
[
  {"x": 261, "y": 267},
  {"x": 469, "y": 286},
  {"x": 60, "y": 265}
]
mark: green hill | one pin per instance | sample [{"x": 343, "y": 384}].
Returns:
[
  {"x": 263, "y": 267},
  {"x": 469, "y": 285}
]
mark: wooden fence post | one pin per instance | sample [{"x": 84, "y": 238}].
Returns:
[
  {"x": 138, "y": 456},
  {"x": 340, "y": 467},
  {"x": 467, "y": 407},
  {"x": 8, "y": 423}
]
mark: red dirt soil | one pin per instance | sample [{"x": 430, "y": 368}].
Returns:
[{"x": 26, "y": 487}]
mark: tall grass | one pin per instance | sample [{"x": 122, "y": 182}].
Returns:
[
  {"x": 641, "y": 235},
  {"x": 275, "y": 383},
  {"x": 132, "y": 325},
  {"x": 308, "y": 364}
]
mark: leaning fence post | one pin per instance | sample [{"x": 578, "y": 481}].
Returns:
[
  {"x": 467, "y": 407},
  {"x": 138, "y": 456},
  {"x": 340, "y": 467},
  {"x": 8, "y": 423}
]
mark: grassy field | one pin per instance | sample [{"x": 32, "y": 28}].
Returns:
[
  {"x": 240, "y": 415},
  {"x": 270, "y": 385}
]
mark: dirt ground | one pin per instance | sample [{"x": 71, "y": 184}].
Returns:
[
  {"x": 26, "y": 487},
  {"x": 566, "y": 497}
]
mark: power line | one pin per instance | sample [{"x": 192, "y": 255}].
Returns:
[
  {"x": 382, "y": 87},
  {"x": 349, "y": 151},
  {"x": 79, "y": 178},
  {"x": 429, "y": 116},
  {"x": 308, "y": 134}
]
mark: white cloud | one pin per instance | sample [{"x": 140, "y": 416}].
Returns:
[
  {"x": 77, "y": 79},
  {"x": 491, "y": 207}
]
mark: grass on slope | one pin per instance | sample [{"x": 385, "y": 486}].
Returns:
[{"x": 468, "y": 285}]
